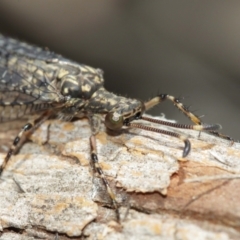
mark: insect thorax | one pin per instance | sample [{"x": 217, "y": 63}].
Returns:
[
  {"x": 103, "y": 101},
  {"x": 87, "y": 94}
]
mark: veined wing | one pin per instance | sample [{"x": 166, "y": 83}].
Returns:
[
  {"x": 28, "y": 83},
  {"x": 13, "y": 46},
  {"x": 19, "y": 96}
]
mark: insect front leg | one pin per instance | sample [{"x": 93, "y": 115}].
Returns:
[
  {"x": 22, "y": 135},
  {"x": 162, "y": 97},
  {"x": 193, "y": 117},
  {"x": 95, "y": 125}
]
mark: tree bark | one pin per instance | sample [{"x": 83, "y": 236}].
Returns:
[{"x": 48, "y": 189}]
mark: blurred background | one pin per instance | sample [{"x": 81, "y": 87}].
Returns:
[{"x": 187, "y": 48}]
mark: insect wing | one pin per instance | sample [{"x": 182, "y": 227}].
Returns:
[
  {"x": 27, "y": 83},
  {"x": 13, "y": 46}
]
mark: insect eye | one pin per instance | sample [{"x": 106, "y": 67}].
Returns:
[{"x": 114, "y": 121}]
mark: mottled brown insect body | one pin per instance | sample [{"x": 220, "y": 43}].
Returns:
[{"x": 34, "y": 80}]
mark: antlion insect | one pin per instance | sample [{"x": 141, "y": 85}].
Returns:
[{"x": 34, "y": 80}]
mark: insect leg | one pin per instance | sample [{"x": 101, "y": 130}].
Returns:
[
  {"x": 94, "y": 121},
  {"x": 161, "y": 97},
  {"x": 194, "y": 118},
  {"x": 26, "y": 129},
  {"x": 222, "y": 136}
]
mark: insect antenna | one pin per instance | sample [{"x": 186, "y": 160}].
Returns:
[
  {"x": 203, "y": 127},
  {"x": 187, "y": 144}
]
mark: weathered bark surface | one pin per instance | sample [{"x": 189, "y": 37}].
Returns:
[{"x": 46, "y": 191}]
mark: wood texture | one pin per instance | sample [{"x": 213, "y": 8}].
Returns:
[{"x": 48, "y": 190}]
